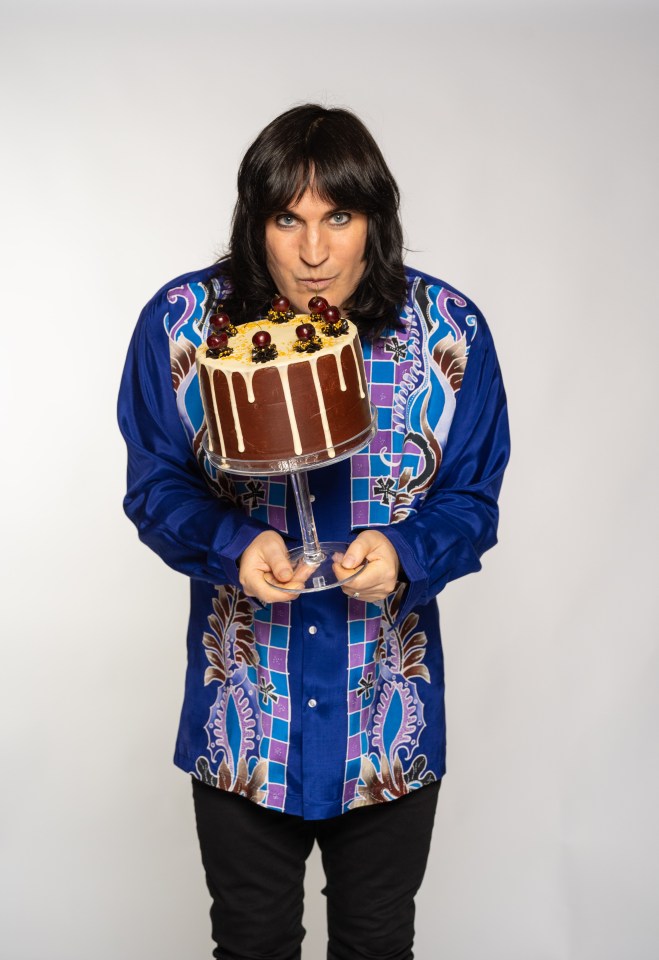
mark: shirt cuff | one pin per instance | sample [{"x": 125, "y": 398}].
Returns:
[
  {"x": 226, "y": 554},
  {"x": 415, "y": 574}
]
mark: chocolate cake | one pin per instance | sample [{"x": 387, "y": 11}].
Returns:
[{"x": 280, "y": 388}]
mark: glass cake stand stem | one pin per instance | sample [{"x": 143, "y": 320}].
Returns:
[
  {"x": 311, "y": 549},
  {"x": 314, "y": 562}
]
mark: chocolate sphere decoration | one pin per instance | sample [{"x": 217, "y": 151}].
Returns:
[
  {"x": 331, "y": 315},
  {"x": 220, "y": 321},
  {"x": 318, "y": 305},
  {"x": 305, "y": 331},
  {"x": 280, "y": 304},
  {"x": 261, "y": 338}
]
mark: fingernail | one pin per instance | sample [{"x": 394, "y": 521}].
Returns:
[{"x": 348, "y": 561}]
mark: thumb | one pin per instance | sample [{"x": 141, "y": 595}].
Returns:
[
  {"x": 276, "y": 556},
  {"x": 354, "y": 555}
]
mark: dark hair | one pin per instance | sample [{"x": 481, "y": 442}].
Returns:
[{"x": 332, "y": 148}]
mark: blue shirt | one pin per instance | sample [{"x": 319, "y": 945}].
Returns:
[{"x": 326, "y": 703}]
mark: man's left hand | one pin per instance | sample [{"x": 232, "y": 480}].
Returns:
[{"x": 379, "y": 577}]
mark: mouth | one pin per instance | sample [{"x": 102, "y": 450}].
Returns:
[{"x": 316, "y": 283}]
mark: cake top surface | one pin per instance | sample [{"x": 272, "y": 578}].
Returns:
[{"x": 283, "y": 337}]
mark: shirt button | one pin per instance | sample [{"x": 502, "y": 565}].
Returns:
[
  {"x": 312, "y": 498},
  {"x": 312, "y": 703},
  {"x": 313, "y": 630}
]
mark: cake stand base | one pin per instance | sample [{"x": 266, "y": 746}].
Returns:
[{"x": 317, "y": 576}]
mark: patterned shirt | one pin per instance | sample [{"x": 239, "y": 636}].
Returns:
[{"x": 326, "y": 703}]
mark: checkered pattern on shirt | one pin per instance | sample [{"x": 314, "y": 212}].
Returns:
[
  {"x": 375, "y": 469},
  {"x": 264, "y": 498},
  {"x": 363, "y": 630},
  {"x": 271, "y": 630}
]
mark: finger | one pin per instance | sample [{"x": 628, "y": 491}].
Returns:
[
  {"x": 277, "y": 559},
  {"x": 342, "y": 574},
  {"x": 368, "y": 585},
  {"x": 273, "y": 595},
  {"x": 267, "y": 593},
  {"x": 303, "y": 571},
  {"x": 366, "y": 596},
  {"x": 354, "y": 555},
  {"x": 369, "y": 578}
]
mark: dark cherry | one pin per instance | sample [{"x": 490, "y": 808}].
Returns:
[
  {"x": 305, "y": 331},
  {"x": 280, "y": 304},
  {"x": 332, "y": 315},
  {"x": 220, "y": 321},
  {"x": 217, "y": 341},
  {"x": 261, "y": 338},
  {"x": 318, "y": 305}
]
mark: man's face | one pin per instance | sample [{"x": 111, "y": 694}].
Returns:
[{"x": 315, "y": 248}]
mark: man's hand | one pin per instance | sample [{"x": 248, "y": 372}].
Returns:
[
  {"x": 267, "y": 554},
  {"x": 379, "y": 577}
]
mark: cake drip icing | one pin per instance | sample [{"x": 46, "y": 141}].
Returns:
[{"x": 235, "y": 416}]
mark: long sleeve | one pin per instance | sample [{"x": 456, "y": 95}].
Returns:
[
  {"x": 174, "y": 510},
  {"x": 457, "y": 522}
]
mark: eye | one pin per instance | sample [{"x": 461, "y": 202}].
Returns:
[
  {"x": 340, "y": 218},
  {"x": 285, "y": 220}
]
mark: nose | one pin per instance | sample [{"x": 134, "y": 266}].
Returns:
[{"x": 314, "y": 249}]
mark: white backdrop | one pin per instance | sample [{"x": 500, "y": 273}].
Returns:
[{"x": 525, "y": 142}]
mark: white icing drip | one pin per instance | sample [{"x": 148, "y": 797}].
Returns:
[
  {"x": 217, "y": 416},
  {"x": 359, "y": 372},
  {"x": 321, "y": 405},
  {"x": 234, "y": 411},
  {"x": 247, "y": 377},
  {"x": 339, "y": 367},
  {"x": 283, "y": 373}
]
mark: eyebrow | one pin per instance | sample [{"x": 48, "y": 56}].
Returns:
[{"x": 330, "y": 212}]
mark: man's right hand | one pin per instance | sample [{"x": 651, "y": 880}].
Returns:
[{"x": 267, "y": 554}]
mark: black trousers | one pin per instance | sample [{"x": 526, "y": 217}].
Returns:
[{"x": 374, "y": 860}]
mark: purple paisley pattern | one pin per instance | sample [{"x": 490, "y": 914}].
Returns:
[
  {"x": 238, "y": 728},
  {"x": 390, "y": 764},
  {"x": 186, "y": 293},
  {"x": 395, "y": 697},
  {"x": 442, "y": 308},
  {"x": 218, "y": 727}
]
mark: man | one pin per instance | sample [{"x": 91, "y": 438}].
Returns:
[{"x": 326, "y": 711}]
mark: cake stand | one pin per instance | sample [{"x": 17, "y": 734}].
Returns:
[{"x": 313, "y": 559}]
